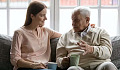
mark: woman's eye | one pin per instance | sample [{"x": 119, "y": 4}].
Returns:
[{"x": 41, "y": 15}]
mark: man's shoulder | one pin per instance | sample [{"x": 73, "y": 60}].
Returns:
[
  {"x": 97, "y": 29},
  {"x": 68, "y": 32}
]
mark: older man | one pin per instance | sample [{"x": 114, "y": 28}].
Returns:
[{"x": 92, "y": 44}]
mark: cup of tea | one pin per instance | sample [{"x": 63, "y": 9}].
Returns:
[
  {"x": 74, "y": 59},
  {"x": 52, "y": 65}
]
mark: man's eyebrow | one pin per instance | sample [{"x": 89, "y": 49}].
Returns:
[{"x": 73, "y": 16}]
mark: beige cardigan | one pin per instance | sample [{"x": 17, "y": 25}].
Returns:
[{"x": 96, "y": 37}]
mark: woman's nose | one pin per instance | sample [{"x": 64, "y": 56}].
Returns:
[{"x": 45, "y": 18}]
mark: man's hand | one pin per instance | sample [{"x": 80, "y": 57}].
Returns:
[
  {"x": 66, "y": 62},
  {"x": 84, "y": 46}
]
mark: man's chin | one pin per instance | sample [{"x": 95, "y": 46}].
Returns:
[{"x": 75, "y": 31}]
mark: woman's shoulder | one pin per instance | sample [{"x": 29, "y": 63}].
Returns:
[
  {"x": 47, "y": 29},
  {"x": 19, "y": 31}
]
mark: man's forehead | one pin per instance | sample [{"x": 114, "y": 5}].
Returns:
[{"x": 76, "y": 15}]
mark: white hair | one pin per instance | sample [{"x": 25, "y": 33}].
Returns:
[{"x": 84, "y": 11}]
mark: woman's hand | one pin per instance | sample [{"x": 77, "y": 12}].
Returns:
[{"x": 38, "y": 66}]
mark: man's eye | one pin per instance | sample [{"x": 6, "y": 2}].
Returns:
[{"x": 76, "y": 20}]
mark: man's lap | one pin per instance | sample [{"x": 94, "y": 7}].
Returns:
[{"x": 103, "y": 66}]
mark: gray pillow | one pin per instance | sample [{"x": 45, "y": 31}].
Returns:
[
  {"x": 116, "y": 50},
  {"x": 5, "y": 45}
]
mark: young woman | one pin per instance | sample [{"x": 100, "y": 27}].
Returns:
[{"x": 30, "y": 48}]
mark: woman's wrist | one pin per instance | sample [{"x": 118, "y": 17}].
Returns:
[{"x": 32, "y": 65}]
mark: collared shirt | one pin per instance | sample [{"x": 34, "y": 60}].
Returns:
[
  {"x": 29, "y": 47},
  {"x": 84, "y": 32}
]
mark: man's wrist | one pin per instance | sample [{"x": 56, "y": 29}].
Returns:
[{"x": 92, "y": 49}]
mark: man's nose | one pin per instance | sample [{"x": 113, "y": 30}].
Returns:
[{"x": 73, "y": 23}]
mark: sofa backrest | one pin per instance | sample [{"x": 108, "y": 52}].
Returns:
[{"x": 53, "y": 43}]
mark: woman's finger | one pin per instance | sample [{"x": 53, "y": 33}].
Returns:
[{"x": 44, "y": 65}]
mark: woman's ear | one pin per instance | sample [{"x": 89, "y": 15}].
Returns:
[{"x": 32, "y": 16}]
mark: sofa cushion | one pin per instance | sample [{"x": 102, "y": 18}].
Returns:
[
  {"x": 5, "y": 45},
  {"x": 116, "y": 50}
]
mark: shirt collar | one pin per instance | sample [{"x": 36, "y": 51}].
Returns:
[{"x": 84, "y": 32}]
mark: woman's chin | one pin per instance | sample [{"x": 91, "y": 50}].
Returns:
[{"x": 40, "y": 25}]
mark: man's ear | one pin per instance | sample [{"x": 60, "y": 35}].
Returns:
[{"x": 87, "y": 19}]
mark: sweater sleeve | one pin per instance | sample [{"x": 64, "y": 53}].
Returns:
[
  {"x": 104, "y": 50},
  {"x": 61, "y": 51},
  {"x": 15, "y": 51},
  {"x": 53, "y": 34}
]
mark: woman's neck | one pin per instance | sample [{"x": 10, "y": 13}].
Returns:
[{"x": 31, "y": 27}]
